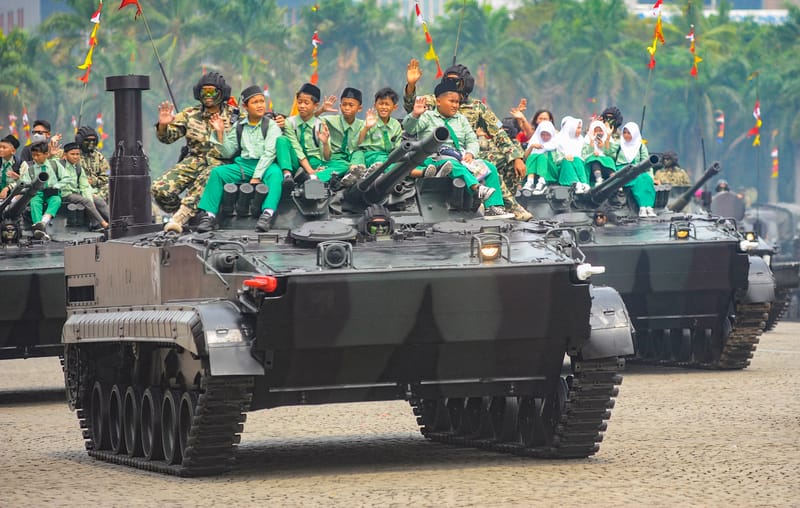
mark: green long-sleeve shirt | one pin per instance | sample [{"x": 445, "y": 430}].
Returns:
[
  {"x": 375, "y": 140},
  {"x": 337, "y": 126},
  {"x": 430, "y": 120},
  {"x": 30, "y": 170},
  {"x": 296, "y": 129},
  {"x": 71, "y": 183},
  {"x": 253, "y": 144}
]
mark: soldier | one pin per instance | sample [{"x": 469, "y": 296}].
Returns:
[
  {"x": 502, "y": 151},
  {"x": 93, "y": 162},
  {"x": 671, "y": 173},
  {"x": 191, "y": 173}
]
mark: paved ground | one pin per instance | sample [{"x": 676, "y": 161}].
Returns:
[{"x": 676, "y": 438}]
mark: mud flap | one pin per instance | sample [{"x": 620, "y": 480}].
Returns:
[
  {"x": 760, "y": 282},
  {"x": 226, "y": 340},
  {"x": 611, "y": 333}
]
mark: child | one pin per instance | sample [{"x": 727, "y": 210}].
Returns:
[
  {"x": 381, "y": 133},
  {"x": 75, "y": 186},
  {"x": 632, "y": 151},
  {"x": 344, "y": 130},
  {"x": 539, "y": 159},
  {"x": 596, "y": 151},
  {"x": 49, "y": 195},
  {"x": 254, "y": 160},
  {"x": 421, "y": 122},
  {"x": 305, "y": 133},
  {"x": 9, "y": 164},
  {"x": 569, "y": 144}
]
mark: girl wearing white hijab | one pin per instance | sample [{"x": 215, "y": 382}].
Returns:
[
  {"x": 597, "y": 151},
  {"x": 568, "y": 158},
  {"x": 632, "y": 151},
  {"x": 539, "y": 159}
]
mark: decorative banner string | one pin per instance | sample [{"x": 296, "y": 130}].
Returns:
[{"x": 431, "y": 53}]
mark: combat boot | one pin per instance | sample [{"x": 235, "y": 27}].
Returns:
[{"x": 179, "y": 219}]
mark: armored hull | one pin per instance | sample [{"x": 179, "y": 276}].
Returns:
[{"x": 696, "y": 293}]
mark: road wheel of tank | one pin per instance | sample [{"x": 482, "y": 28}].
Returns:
[
  {"x": 434, "y": 417},
  {"x": 471, "y": 421},
  {"x": 530, "y": 433},
  {"x": 98, "y": 420},
  {"x": 188, "y": 405},
  {"x": 132, "y": 421},
  {"x": 455, "y": 411},
  {"x": 540, "y": 417},
  {"x": 661, "y": 345},
  {"x": 151, "y": 423},
  {"x": 701, "y": 338},
  {"x": 503, "y": 412},
  {"x": 115, "y": 429},
  {"x": 170, "y": 440},
  {"x": 644, "y": 343},
  {"x": 681, "y": 339}
]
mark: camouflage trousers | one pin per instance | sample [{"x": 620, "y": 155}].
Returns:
[{"x": 189, "y": 175}]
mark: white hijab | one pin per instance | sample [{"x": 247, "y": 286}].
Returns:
[
  {"x": 568, "y": 142},
  {"x": 590, "y": 139},
  {"x": 545, "y": 126},
  {"x": 631, "y": 148}
]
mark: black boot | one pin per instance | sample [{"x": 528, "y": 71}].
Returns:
[{"x": 207, "y": 223}]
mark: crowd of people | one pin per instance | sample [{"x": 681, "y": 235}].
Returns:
[{"x": 230, "y": 142}]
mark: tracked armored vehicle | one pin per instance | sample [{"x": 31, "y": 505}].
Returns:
[
  {"x": 696, "y": 295},
  {"x": 387, "y": 290},
  {"x": 32, "y": 303}
]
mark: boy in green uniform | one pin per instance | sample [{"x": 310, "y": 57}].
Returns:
[
  {"x": 423, "y": 121},
  {"x": 49, "y": 195},
  {"x": 254, "y": 160},
  {"x": 344, "y": 130},
  {"x": 75, "y": 187},
  {"x": 9, "y": 164},
  {"x": 305, "y": 133}
]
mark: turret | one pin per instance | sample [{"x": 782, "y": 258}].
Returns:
[
  {"x": 129, "y": 183},
  {"x": 10, "y": 209},
  {"x": 598, "y": 195},
  {"x": 684, "y": 198},
  {"x": 410, "y": 154}
]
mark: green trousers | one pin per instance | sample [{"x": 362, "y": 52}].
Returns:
[
  {"x": 572, "y": 171},
  {"x": 643, "y": 190},
  {"x": 241, "y": 171},
  {"x": 542, "y": 164},
  {"x": 375, "y": 156},
  {"x": 460, "y": 171},
  {"x": 286, "y": 157},
  {"x": 38, "y": 203},
  {"x": 340, "y": 164}
]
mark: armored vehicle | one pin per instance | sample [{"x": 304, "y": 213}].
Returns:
[
  {"x": 696, "y": 296},
  {"x": 386, "y": 290},
  {"x": 32, "y": 303}
]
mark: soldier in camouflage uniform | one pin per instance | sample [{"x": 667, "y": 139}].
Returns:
[
  {"x": 671, "y": 173},
  {"x": 191, "y": 173},
  {"x": 93, "y": 162},
  {"x": 505, "y": 153}
]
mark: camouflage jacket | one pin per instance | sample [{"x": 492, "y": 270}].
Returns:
[
  {"x": 193, "y": 122},
  {"x": 501, "y": 148},
  {"x": 676, "y": 176},
  {"x": 97, "y": 169}
]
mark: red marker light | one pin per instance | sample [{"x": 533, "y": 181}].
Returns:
[{"x": 266, "y": 283}]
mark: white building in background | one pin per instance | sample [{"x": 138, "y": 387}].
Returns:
[{"x": 27, "y": 14}]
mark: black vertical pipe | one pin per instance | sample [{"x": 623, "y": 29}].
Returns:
[{"x": 129, "y": 183}]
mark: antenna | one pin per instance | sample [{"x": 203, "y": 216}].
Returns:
[{"x": 458, "y": 33}]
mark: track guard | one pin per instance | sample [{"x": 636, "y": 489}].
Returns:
[
  {"x": 227, "y": 340},
  {"x": 760, "y": 282},
  {"x": 611, "y": 333}
]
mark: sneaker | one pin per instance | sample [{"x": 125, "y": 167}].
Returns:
[
  {"x": 598, "y": 178},
  {"x": 264, "y": 221},
  {"x": 40, "y": 231},
  {"x": 541, "y": 186},
  {"x": 528, "y": 185},
  {"x": 207, "y": 223},
  {"x": 497, "y": 212},
  {"x": 355, "y": 174},
  {"x": 430, "y": 171},
  {"x": 581, "y": 188},
  {"x": 520, "y": 213},
  {"x": 484, "y": 192},
  {"x": 643, "y": 211},
  {"x": 287, "y": 177},
  {"x": 651, "y": 212},
  {"x": 445, "y": 169}
]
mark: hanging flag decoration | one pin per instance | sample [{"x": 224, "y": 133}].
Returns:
[
  {"x": 774, "y": 154},
  {"x": 719, "y": 118},
  {"x": 658, "y": 35},
  {"x": 87, "y": 62},
  {"x": 12, "y": 125},
  {"x": 26, "y": 126},
  {"x": 756, "y": 130},
  {"x": 431, "y": 53},
  {"x": 267, "y": 96},
  {"x": 15, "y": 92},
  {"x": 126, "y": 3},
  {"x": 315, "y": 42},
  {"x": 692, "y": 49},
  {"x": 74, "y": 124},
  {"x": 100, "y": 134}
]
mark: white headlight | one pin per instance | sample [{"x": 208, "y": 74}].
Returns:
[{"x": 586, "y": 270}]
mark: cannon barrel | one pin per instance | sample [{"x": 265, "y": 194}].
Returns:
[
  {"x": 598, "y": 195},
  {"x": 11, "y": 209},
  {"x": 684, "y": 198},
  {"x": 410, "y": 154}
]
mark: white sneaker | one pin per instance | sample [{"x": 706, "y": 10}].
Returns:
[
  {"x": 496, "y": 212},
  {"x": 430, "y": 171},
  {"x": 651, "y": 212},
  {"x": 643, "y": 211},
  {"x": 528, "y": 185},
  {"x": 541, "y": 186},
  {"x": 484, "y": 192},
  {"x": 581, "y": 188},
  {"x": 445, "y": 169}
]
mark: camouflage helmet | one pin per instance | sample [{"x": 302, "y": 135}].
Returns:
[
  {"x": 467, "y": 82},
  {"x": 613, "y": 116},
  {"x": 214, "y": 79}
]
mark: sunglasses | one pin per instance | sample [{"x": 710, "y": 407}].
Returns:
[{"x": 211, "y": 93}]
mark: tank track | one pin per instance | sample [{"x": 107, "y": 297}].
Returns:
[
  {"x": 738, "y": 348},
  {"x": 783, "y": 297},
  {"x": 215, "y": 431},
  {"x": 578, "y": 430}
]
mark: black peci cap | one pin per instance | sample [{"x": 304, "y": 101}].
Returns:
[
  {"x": 447, "y": 85},
  {"x": 11, "y": 140},
  {"x": 71, "y": 146},
  {"x": 250, "y": 92},
  {"x": 352, "y": 93},
  {"x": 312, "y": 90}
]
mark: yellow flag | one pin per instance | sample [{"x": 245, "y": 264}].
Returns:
[
  {"x": 431, "y": 54},
  {"x": 88, "y": 62}
]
